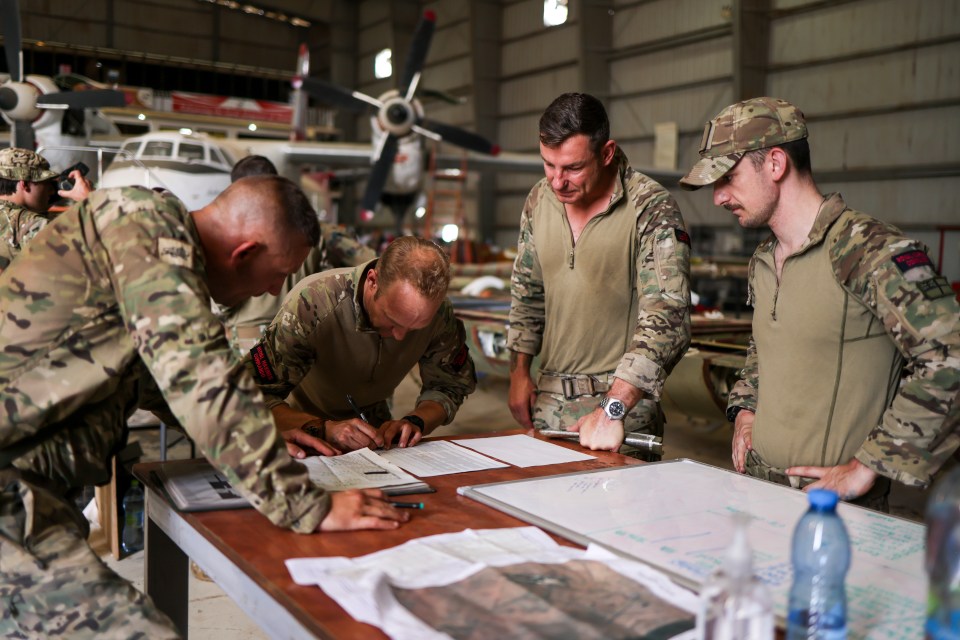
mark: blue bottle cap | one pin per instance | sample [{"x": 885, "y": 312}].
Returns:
[{"x": 823, "y": 499}]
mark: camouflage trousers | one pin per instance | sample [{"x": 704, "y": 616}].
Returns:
[
  {"x": 555, "y": 411},
  {"x": 877, "y": 498},
  {"x": 52, "y": 583}
]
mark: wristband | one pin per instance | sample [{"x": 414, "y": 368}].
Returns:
[{"x": 416, "y": 421}]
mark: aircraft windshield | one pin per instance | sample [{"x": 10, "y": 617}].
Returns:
[
  {"x": 191, "y": 151},
  {"x": 157, "y": 149}
]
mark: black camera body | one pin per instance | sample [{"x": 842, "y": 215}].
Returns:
[{"x": 65, "y": 182}]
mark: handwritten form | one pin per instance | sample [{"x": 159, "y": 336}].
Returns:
[
  {"x": 524, "y": 451},
  {"x": 676, "y": 516},
  {"x": 360, "y": 469},
  {"x": 438, "y": 458}
]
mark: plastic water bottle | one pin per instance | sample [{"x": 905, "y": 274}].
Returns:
[
  {"x": 132, "y": 539},
  {"x": 943, "y": 559},
  {"x": 817, "y": 609},
  {"x": 734, "y": 603}
]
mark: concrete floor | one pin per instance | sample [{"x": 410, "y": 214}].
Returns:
[{"x": 213, "y": 616}]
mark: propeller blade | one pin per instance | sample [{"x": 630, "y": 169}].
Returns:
[
  {"x": 449, "y": 98},
  {"x": 461, "y": 137},
  {"x": 91, "y": 99},
  {"x": 10, "y": 21},
  {"x": 338, "y": 96},
  {"x": 417, "y": 55},
  {"x": 22, "y": 135},
  {"x": 379, "y": 173}
]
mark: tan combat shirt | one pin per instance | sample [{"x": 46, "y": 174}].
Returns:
[
  {"x": 617, "y": 301},
  {"x": 855, "y": 351},
  {"x": 321, "y": 347}
]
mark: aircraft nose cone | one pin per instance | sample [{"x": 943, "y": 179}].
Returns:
[{"x": 397, "y": 113}]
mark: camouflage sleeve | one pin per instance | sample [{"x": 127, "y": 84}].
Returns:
[
  {"x": 283, "y": 357},
  {"x": 164, "y": 301},
  {"x": 446, "y": 367},
  {"x": 525, "y": 332},
  {"x": 662, "y": 333},
  {"x": 342, "y": 250},
  {"x": 30, "y": 226},
  {"x": 744, "y": 392},
  {"x": 919, "y": 311}
]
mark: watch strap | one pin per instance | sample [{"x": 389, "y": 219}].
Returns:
[{"x": 416, "y": 421}]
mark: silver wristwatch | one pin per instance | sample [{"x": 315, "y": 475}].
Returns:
[{"x": 614, "y": 409}]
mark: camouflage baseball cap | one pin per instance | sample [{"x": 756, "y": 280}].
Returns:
[
  {"x": 753, "y": 124},
  {"x": 23, "y": 164}
]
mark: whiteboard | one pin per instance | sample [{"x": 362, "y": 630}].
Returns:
[{"x": 676, "y": 516}]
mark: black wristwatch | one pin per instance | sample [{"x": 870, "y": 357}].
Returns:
[{"x": 416, "y": 421}]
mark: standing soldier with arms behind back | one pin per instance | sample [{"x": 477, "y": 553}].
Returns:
[{"x": 600, "y": 286}]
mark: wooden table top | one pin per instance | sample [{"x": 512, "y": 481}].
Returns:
[{"x": 259, "y": 548}]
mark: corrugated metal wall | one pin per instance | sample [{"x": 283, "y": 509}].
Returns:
[{"x": 879, "y": 81}]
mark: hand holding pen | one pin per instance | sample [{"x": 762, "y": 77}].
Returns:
[{"x": 353, "y": 433}]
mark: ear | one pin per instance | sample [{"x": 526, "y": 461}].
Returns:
[
  {"x": 372, "y": 280},
  {"x": 777, "y": 160},
  {"x": 243, "y": 252},
  {"x": 607, "y": 152},
  {"x": 25, "y": 186}
]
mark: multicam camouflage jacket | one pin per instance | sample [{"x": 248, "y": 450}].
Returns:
[
  {"x": 111, "y": 289},
  {"x": 321, "y": 347},
  {"x": 17, "y": 227},
  {"x": 657, "y": 285},
  {"x": 246, "y": 322},
  {"x": 892, "y": 277}
]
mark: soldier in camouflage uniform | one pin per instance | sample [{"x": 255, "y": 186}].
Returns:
[
  {"x": 110, "y": 303},
  {"x": 600, "y": 286},
  {"x": 358, "y": 332},
  {"x": 26, "y": 187},
  {"x": 855, "y": 333},
  {"x": 246, "y": 322}
]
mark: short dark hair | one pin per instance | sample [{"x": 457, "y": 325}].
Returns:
[
  {"x": 252, "y": 166},
  {"x": 8, "y": 187},
  {"x": 418, "y": 261},
  {"x": 572, "y": 114},
  {"x": 294, "y": 212},
  {"x": 798, "y": 151}
]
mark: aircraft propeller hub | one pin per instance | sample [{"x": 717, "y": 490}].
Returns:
[
  {"x": 397, "y": 116},
  {"x": 19, "y": 100}
]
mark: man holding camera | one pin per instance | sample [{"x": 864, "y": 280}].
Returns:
[{"x": 27, "y": 186}]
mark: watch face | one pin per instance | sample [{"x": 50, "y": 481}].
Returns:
[
  {"x": 616, "y": 409},
  {"x": 613, "y": 408}
]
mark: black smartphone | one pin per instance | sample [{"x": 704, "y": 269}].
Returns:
[{"x": 65, "y": 182}]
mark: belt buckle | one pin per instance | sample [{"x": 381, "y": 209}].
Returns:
[{"x": 568, "y": 385}]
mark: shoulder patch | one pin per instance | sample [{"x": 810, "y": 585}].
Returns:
[
  {"x": 682, "y": 236},
  {"x": 934, "y": 288},
  {"x": 264, "y": 370},
  {"x": 911, "y": 259},
  {"x": 461, "y": 358},
  {"x": 175, "y": 252}
]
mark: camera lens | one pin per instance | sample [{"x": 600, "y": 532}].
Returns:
[{"x": 65, "y": 184}]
